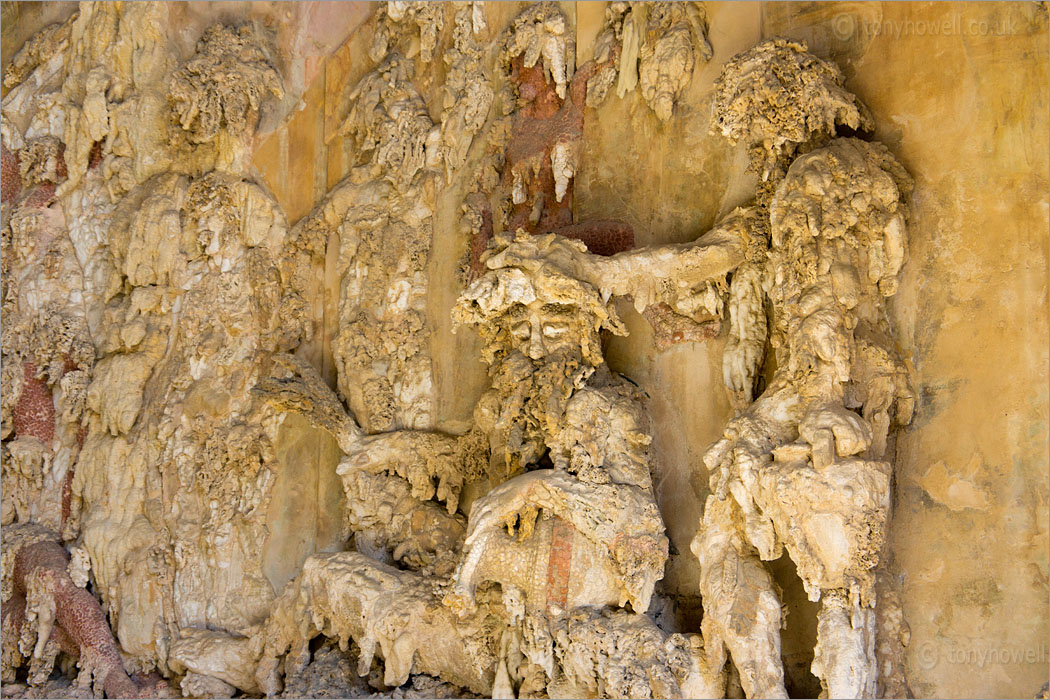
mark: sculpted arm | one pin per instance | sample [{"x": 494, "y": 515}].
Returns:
[
  {"x": 622, "y": 519},
  {"x": 651, "y": 275},
  {"x": 663, "y": 273},
  {"x": 431, "y": 462}
]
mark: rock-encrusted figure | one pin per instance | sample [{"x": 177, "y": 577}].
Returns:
[
  {"x": 804, "y": 467},
  {"x": 565, "y": 520},
  {"x": 47, "y": 610},
  {"x": 155, "y": 303},
  {"x": 147, "y": 280}
]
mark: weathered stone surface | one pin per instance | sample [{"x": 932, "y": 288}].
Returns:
[{"x": 238, "y": 239}]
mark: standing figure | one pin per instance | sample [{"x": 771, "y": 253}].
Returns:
[
  {"x": 804, "y": 466},
  {"x": 147, "y": 283}
]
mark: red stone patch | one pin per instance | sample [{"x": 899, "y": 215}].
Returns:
[
  {"x": 601, "y": 237},
  {"x": 10, "y": 175},
  {"x": 480, "y": 242},
  {"x": 35, "y": 410},
  {"x": 95, "y": 157},
  {"x": 670, "y": 328},
  {"x": 67, "y": 496},
  {"x": 559, "y": 565},
  {"x": 60, "y": 168},
  {"x": 41, "y": 196}
]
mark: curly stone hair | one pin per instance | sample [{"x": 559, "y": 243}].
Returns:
[
  {"x": 777, "y": 97},
  {"x": 526, "y": 269}
]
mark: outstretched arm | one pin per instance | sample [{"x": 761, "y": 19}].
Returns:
[
  {"x": 433, "y": 463},
  {"x": 665, "y": 273},
  {"x": 651, "y": 275},
  {"x": 306, "y": 393}
]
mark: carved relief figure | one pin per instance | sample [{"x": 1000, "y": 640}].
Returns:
[
  {"x": 582, "y": 531},
  {"x": 156, "y": 302},
  {"x": 158, "y": 278},
  {"x": 803, "y": 467}
]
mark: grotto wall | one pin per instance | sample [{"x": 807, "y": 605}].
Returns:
[{"x": 381, "y": 322}]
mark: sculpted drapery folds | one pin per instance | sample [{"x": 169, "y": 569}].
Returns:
[{"x": 160, "y": 515}]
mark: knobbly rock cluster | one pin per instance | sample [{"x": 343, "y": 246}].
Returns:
[{"x": 157, "y": 303}]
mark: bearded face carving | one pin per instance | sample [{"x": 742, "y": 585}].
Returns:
[
  {"x": 543, "y": 341},
  {"x": 525, "y": 407},
  {"x": 539, "y": 330}
]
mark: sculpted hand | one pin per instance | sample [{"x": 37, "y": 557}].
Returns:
[
  {"x": 430, "y": 462},
  {"x": 736, "y": 462},
  {"x": 515, "y": 501}
]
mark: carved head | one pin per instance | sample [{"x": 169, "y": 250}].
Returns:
[
  {"x": 853, "y": 194},
  {"x": 223, "y": 86},
  {"x": 211, "y": 213},
  {"x": 776, "y": 97},
  {"x": 667, "y": 53},
  {"x": 528, "y": 303},
  {"x": 389, "y": 122}
]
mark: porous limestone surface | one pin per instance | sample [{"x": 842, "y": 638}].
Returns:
[{"x": 532, "y": 349}]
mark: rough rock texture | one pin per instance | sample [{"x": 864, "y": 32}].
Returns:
[
  {"x": 650, "y": 45},
  {"x": 232, "y": 264},
  {"x": 45, "y": 612},
  {"x": 778, "y": 98},
  {"x": 397, "y": 614}
]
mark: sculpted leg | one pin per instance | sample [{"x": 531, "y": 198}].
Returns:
[
  {"x": 844, "y": 658},
  {"x": 741, "y": 605},
  {"x": 38, "y": 568}
]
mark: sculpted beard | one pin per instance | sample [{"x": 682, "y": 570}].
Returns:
[{"x": 533, "y": 395}]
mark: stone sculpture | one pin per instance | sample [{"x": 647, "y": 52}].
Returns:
[
  {"x": 156, "y": 305},
  {"x": 802, "y": 467},
  {"x": 149, "y": 288},
  {"x": 584, "y": 532},
  {"x": 47, "y": 610}
]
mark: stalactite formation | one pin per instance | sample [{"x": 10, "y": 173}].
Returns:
[{"x": 170, "y": 523}]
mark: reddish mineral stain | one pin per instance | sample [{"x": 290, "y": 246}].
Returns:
[
  {"x": 35, "y": 410},
  {"x": 10, "y": 176}
]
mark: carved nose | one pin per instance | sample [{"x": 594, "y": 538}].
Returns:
[{"x": 536, "y": 349}]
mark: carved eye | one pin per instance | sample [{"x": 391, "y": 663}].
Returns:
[
  {"x": 522, "y": 331},
  {"x": 554, "y": 330}
]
